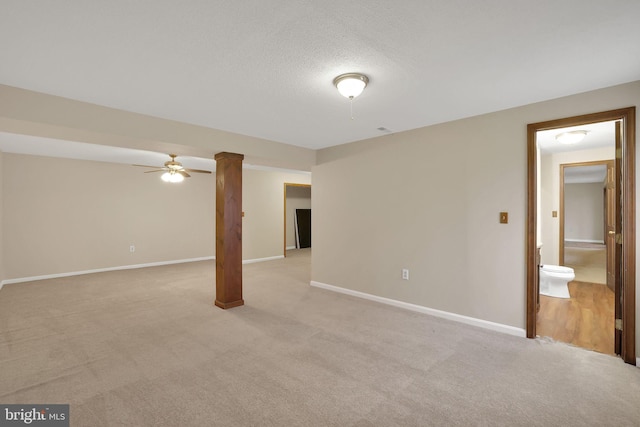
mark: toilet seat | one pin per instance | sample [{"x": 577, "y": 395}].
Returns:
[{"x": 557, "y": 269}]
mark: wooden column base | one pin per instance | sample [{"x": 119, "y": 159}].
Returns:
[{"x": 226, "y": 305}]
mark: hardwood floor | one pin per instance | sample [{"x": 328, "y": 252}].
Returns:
[
  {"x": 584, "y": 320},
  {"x": 589, "y": 263}
]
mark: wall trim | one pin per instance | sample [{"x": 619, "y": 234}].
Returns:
[
  {"x": 290, "y": 247},
  {"x": 102, "y": 270},
  {"x": 584, "y": 241},
  {"x": 497, "y": 327},
  {"x": 271, "y": 258},
  {"x": 125, "y": 267}
]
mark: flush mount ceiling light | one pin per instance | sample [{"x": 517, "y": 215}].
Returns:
[
  {"x": 572, "y": 137},
  {"x": 351, "y": 85}
]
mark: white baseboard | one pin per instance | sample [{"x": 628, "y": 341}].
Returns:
[
  {"x": 291, "y": 247},
  {"x": 102, "y": 270},
  {"x": 271, "y": 258},
  {"x": 498, "y": 327},
  {"x": 124, "y": 267},
  {"x": 584, "y": 241}
]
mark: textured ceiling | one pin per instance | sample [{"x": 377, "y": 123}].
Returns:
[{"x": 265, "y": 67}]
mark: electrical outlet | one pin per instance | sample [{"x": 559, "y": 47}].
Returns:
[
  {"x": 405, "y": 274},
  {"x": 132, "y": 248}
]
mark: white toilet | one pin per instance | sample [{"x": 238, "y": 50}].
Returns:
[{"x": 554, "y": 280}]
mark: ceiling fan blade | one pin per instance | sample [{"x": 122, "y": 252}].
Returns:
[
  {"x": 157, "y": 170},
  {"x": 145, "y": 166},
  {"x": 196, "y": 170},
  {"x": 183, "y": 173}
]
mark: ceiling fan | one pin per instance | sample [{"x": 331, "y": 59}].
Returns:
[{"x": 173, "y": 170}]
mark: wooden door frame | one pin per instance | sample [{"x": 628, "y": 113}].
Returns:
[
  {"x": 628, "y": 260},
  {"x": 561, "y": 214},
  {"x": 284, "y": 245}
]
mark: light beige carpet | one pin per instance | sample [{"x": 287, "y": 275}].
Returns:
[{"x": 147, "y": 348}]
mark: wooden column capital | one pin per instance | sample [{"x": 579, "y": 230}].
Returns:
[
  {"x": 228, "y": 156},
  {"x": 228, "y": 230}
]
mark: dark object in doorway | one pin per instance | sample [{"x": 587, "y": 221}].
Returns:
[{"x": 303, "y": 228}]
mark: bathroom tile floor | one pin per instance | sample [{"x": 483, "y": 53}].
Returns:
[{"x": 585, "y": 320}]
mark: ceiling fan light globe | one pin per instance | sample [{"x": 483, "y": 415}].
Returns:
[
  {"x": 176, "y": 177},
  {"x": 166, "y": 177}
]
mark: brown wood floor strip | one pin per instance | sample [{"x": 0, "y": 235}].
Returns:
[{"x": 584, "y": 320}]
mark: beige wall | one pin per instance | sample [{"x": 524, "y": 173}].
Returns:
[
  {"x": 263, "y": 205},
  {"x": 428, "y": 200},
  {"x": 63, "y": 216},
  {"x": 584, "y": 211},
  {"x": 550, "y": 195},
  {"x": 66, "y": 216},
  {"x": 297, "y": 198}
]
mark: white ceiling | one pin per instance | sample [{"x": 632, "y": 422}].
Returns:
[
  {"x": 38, "y": 146},
  {"x": 585, "y": 174},
  {"x": 265, "y": 67},
  {"x": 598, "y": 135}
]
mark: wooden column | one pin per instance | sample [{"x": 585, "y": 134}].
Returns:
[{"x": 229, "y": 230}]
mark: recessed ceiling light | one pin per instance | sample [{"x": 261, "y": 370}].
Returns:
[{"x": 572, "y": 137}]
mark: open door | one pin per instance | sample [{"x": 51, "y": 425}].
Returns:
[
  {"x": 296, "y": 196},
  {"x": 614, "y": 242},
  {"x": 610, "y": 224},
  {"x": 303, "y": 228}
]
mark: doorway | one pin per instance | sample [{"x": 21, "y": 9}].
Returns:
[
  {"x": 586, "y": 318},
  {"x": 587, "y": 218},
  {"x": 296, "y": 196},
  {"x": 624, "y": 232}
]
